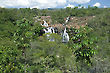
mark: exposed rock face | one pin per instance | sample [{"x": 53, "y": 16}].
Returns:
[
  {"x": 51, "y": 30},
  {"x": 41, "y": 18},
  {"x": 70, "y": 22}
]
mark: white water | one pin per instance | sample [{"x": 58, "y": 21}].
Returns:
[
  {"x": 65, "y": 36},
  {"x": 45, "y": 23},
  {"x": 52, "y": 30},
  {"x": 67, "y": 19},
  {"x": 49, "y": 30}
]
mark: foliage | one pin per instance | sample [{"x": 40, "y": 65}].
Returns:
[
  {"x": 101, "y": 28},
  {"x": 25, "y": 33},
  {"x": 50, "y": 56},
  {"x": 82, "y": 44},
  {"x": 101, "y": 25},
  {"x": 10, "y": 60},
  {"x": 43, "y": 55}
]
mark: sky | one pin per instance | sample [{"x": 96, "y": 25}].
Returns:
[{"x": 42, "y": 4}]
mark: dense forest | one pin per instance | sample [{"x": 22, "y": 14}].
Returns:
[{"x": 24, "y": 48}]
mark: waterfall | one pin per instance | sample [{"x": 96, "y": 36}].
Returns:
[
  {"x": 67, "y": 19},
  {"x": 65, "y": 36},
  {"x": 49, "y": 30},
  {"x": 45, "y": 23},
  {"x": 52, "y": 29}
]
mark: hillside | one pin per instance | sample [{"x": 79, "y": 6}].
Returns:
[{"x": 26, "y": 48}]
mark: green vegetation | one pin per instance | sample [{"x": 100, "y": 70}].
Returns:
[
  {"x": 10, "y": 60},
  {"x": 83, "y": 44},
  {"x": 25, "y": 49}
]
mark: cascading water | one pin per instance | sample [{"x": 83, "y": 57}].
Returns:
[
  {"x": 65, "y": 36},
  {"x": 67, "y": 19},
  {"x": 45, "y": 23},
  {"x": 49, "y": 30},
  {"x": 52, "y": 30}
]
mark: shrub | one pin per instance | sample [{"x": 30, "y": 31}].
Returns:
[
  {"x": 10, "y": 60},
  {"x": 83, "y": 44}
]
